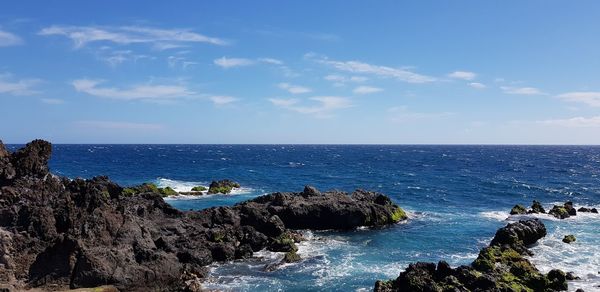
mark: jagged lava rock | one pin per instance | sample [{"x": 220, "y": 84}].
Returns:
[{"x": 58, "y": 233}]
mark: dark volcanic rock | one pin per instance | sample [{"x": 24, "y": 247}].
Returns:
[
  {"x": 559, "y": 212},
  {"x": 57, "y": 233},
  {"x": 342, "y": 211},
  {"x": 525, "y": 232},
  {"x": 499, "y": 267},
  {"x": 536, "y": 207}
]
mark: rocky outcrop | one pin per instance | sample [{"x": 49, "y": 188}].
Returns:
[
  {"x": 518, "y": 209},
  {"x": 57, "y": 233},
  {"x": 536, "y": 208},
  {"x": 559, "y": 211},
  {"x": 501, "y": 266},
  {"x": 587, "y": 210},
  {"x": 224, "y": 186}
]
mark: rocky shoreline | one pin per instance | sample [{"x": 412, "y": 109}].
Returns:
[
  {"x": 57, "y": 233},
  {"x": 502, "y": 266}
]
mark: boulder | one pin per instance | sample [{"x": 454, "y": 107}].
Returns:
[
  {"x": 518, "y": 209},
  {"x": 536, "y": 207},
  {"x": 222, "y": 186},
  {"x": 559, "y": 212},
  {"x": 569, "y": 238}
]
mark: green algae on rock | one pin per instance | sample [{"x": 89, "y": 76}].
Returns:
[
  {"x": 569, "y": 238},
  {"x": 501, "y": 266},
  {"x": 199, "y": 189},
  {"x": 518, "y": 209}
]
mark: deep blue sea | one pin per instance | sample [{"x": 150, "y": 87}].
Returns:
[{"x": 456, "y": 196}]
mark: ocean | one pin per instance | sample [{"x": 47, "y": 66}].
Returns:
[{"x": 456, "y": 198}]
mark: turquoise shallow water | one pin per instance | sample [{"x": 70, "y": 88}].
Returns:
[{"x": 456, "y": 196}]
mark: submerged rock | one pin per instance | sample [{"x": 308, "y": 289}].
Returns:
[
  {"x": 501, "y": 266},
  {"x": 57, "y": 233}
]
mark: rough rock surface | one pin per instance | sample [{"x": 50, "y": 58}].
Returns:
[
  {"x": 57, "y": 233},
  {"x": 499, "y": 267},
  {"x": 224, "y": 186}
]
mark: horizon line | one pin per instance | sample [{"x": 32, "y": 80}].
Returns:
[{"x": 318, "y": 144}]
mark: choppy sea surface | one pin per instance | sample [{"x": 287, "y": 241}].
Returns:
[{"x": 456, "y": 197}]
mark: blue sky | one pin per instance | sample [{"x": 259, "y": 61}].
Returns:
[{"x": 452, "y": 72}]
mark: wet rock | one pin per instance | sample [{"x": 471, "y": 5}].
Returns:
[
  {"x": 199, "y": 189},
  {"x": 571, "y": 276},
  {"x": 570, "y": 209},
  {"x": 222, "y": 186},
  {"x": 518, "y": 209},
  {"x": 501, "y": 266},
  {"x": 536, "y": 207},
  {"x": 523, "y": 232},
  {"x": 559, "y": 212},
  {"x": 569, "y": 238},
  {"x": 587, "y": 210}
]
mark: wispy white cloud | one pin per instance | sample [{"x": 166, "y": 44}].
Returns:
[
  {"x": 464, "y": 75},
  {"x": 521, "y": 90},
  {"x": 477, "y": 85},
  {"x": 113, "y": 125},
  {"x": 270, "y": 61},
  {"x": 176, "y": 61},
  {"x": 52, "y": 101},
  {"x": 13, "y": 86},
  {"x": 117, "y": 57},
  {"x": 340, "y": 80},
  {"x": 222, "y": 100},
  {"x": 146, "y": 92},
  {"x": 294, "y": 89},
  {"x": 366, "y": 90},
  {"x": 576, "y": 122},
  {"x": 233, "y": 62},
  {"x": 324, "y": 106},
  {"x": 9, "y": 39},
  {"x": 591, "y": 98},
  {"x": 402, "y": 114},
  {"x": 160, "y": 38},
  {"x": 402, "y": 74},
  {"x": 226, "y": 63}
]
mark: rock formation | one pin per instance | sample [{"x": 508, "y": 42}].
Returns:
[
  {"x": 499, "y": 267},
  {"x": 58, "y": 233}
]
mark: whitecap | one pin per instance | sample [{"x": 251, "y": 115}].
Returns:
[
  {"x": 177, "y": 185},
  {"x": 579, "y": 257}
]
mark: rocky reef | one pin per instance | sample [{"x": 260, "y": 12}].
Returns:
[
  {"x": 224, "y": 186},
  {"x": 58, "y": 233},
  {"x": 501, "y": 266},
  {"x": 559, "y": 211}
]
